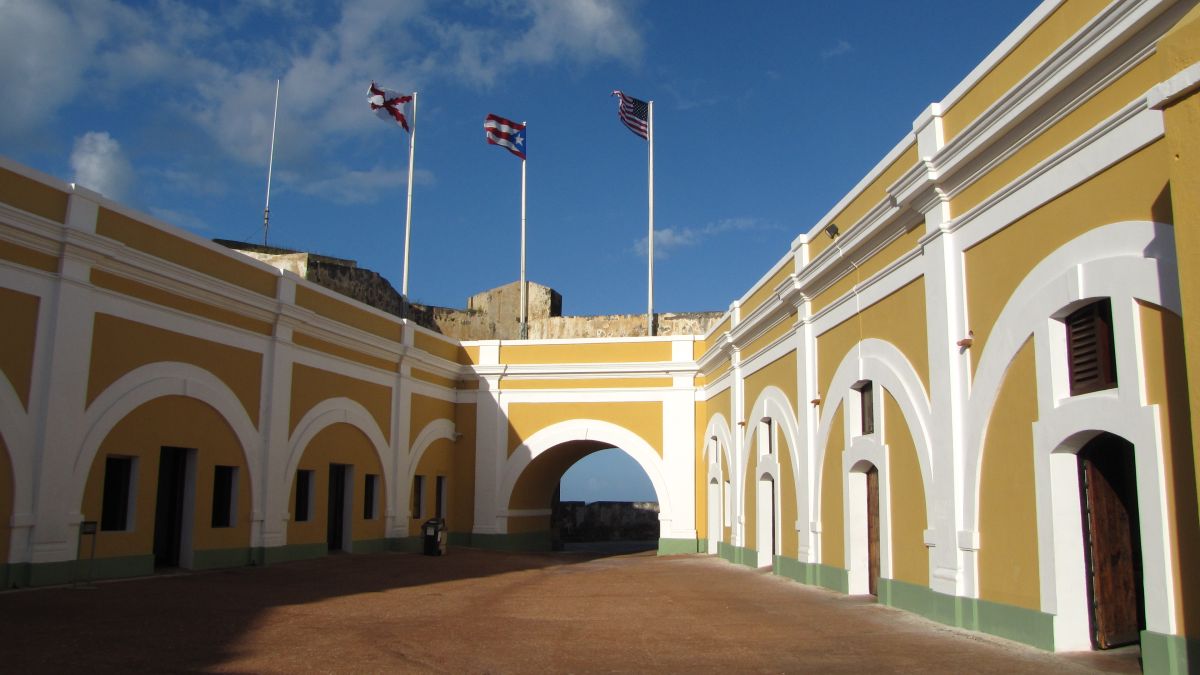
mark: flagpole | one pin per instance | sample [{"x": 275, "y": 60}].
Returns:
[
  {"x": 270, "y": 163},
  {"x": 650, "y": 285},
  {"x": 524, "y": 289},
  {"x": 412, "y": 143}
]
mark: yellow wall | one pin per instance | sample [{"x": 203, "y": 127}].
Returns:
[
  {"x": 20, "y": 312},
  {"x": 767, "y": 289},
  {"x": 535, "y": 487},
  {"x": 789, "y": 541},
  {"x": 441, "y": 459},
  {"x": 1008, "y": 556},
  {"x": 311, "y": 385},
  {"x": 781, "y": 373},
  {"x": 28, "y": 257},
  {"x": 592, "y": 383},
  {"x": 33, "y": 196},
  {"x": 301, "y": 339},
  {"x": 348, "y": 312},
  {"x": 171, "y": 247},
  {"x": 592, "y": 352},
  {"x": 833, "y": 538},
  {"x": 424, "y": 410},
  {"x": 1131, "y": 190},
  {"x": 1108, "y": 101},
  {"x": 1180, "y": 48},
  {"x": 442, "y": 347},
  {"x": 119, "y": 346},
  {"x": 899, "y": 319},
  {"x": 786, "y": 325},
  {"x": 1047, "y": 37},
  {"x": 902, "y": 244},
  {"x": 1167, "y": 387},
  {"x": 910, "y": 557},
  {"x": 338, "y": 443},
  {"x": 462, "y": 501},
  {"x": 170, "y": 421},
  {"x": 134, "y": 289},
  {"x": 642, "y": 418}
]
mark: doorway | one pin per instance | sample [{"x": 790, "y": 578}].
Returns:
[
  {"x": 171, "y": 527},
  {"x": 1112, "y": 541},
  {"x": 765, "y": 535},
  {"x": 338, "y": 529},
  {"x": 714, "y": 514},
  {"x": 873, "y": 531}
]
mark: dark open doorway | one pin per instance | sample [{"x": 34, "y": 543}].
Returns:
[
  {"x": 1112, "y": 537},
  {"x": 338, "y": 509},
  {"x": 170, "y": 506},
  {"x": 873, "y": 531}
]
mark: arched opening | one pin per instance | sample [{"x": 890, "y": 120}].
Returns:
[
  {"x": 1112, "y": 541},
  {"x": 546, "y": 510},
  {"x": 766, "y": 518},
  {"x": 169, "y": 486}
]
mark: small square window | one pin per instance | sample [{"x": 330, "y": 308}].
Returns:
[{"x": 1091, "y": 359}]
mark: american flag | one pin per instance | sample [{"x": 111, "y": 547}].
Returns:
[
  {"x": 506, "y": 134},
  {"x": 389, "y": 105},
  {"x": 633, "y": 113}
]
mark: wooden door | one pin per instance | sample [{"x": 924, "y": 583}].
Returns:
[
  {"x": 1109, "y": 489},
  {"x": 873, "y": 531}
]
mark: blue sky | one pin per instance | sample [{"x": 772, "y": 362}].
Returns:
[{"x": 766, "y": 113}]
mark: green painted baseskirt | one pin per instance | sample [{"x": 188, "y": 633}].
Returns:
[
  {"x": 1029, "y": 626},
  {"x": 1172, "y": 654},
  {"x": 18, "y": 575},
  {"x": 813, "y": 574},
  {"x": 370, "y": 546},
  {"x": 225, "y": 557},
  {"x": 674, "y": 546}
]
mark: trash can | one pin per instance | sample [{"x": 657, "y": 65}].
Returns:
[{"x": 434, "y": 534}]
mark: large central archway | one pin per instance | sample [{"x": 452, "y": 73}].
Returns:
[{"x": 533, "y": 471}]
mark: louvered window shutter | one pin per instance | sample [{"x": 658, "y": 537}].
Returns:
[{"x": 1089, "y": 348}]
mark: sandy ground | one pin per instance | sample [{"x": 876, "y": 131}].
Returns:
[{"x": 487, "y": 612}]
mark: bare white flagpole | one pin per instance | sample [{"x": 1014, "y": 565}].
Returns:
[
  {"x": 524, "y": 290},
  {"x": 412, "y": 143},
  {"x": 650, "y": 286},
  {"x": 270, "y": 163}
]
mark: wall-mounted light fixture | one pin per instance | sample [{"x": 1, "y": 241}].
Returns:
[
  {"x": 832, "y": 230},
  {"x": 714, "y": 439},
  {"x": 766, "y": 420},
  {"x": 457, "y": 436},
  {"x": 966, "y": 342},
  {"x": 816, "y": 401},
  {"x": 742, "y": 423}
]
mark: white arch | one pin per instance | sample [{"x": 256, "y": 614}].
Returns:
[
  {"x": 338, "y": 409},
  {"x": 438, "y": 429},
  {"x": 1126, "y": 262},
  {"x": 885, "y": 365},
  {"x": 714, "y": 452},
  {"x": 152, "y": 381},
  {"x": 588, "y": 430},
  {"x": 771, "y": 402}
]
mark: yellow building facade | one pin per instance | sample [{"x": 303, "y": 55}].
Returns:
[{"x": 958, "y": 391}]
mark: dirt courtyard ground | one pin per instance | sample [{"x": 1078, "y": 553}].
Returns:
[{"x": 487, "y": 612}]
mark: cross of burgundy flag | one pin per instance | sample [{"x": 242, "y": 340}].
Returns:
[
  {"x": 389, "y": 105},
  {"x": 506, "y": 134},
  {"x": 633, "y": 113}
]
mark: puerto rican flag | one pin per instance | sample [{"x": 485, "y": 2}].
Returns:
[
  {"x": 505, "y": 133},
  {"x": 389, "y": 105}
]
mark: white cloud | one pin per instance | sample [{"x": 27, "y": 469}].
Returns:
[
  {"x": 669, "y": 239},
  {"x": 179, "y": 219},
  {"x": 842, "y": 47},
  {"x": 98, "y": 164}
]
